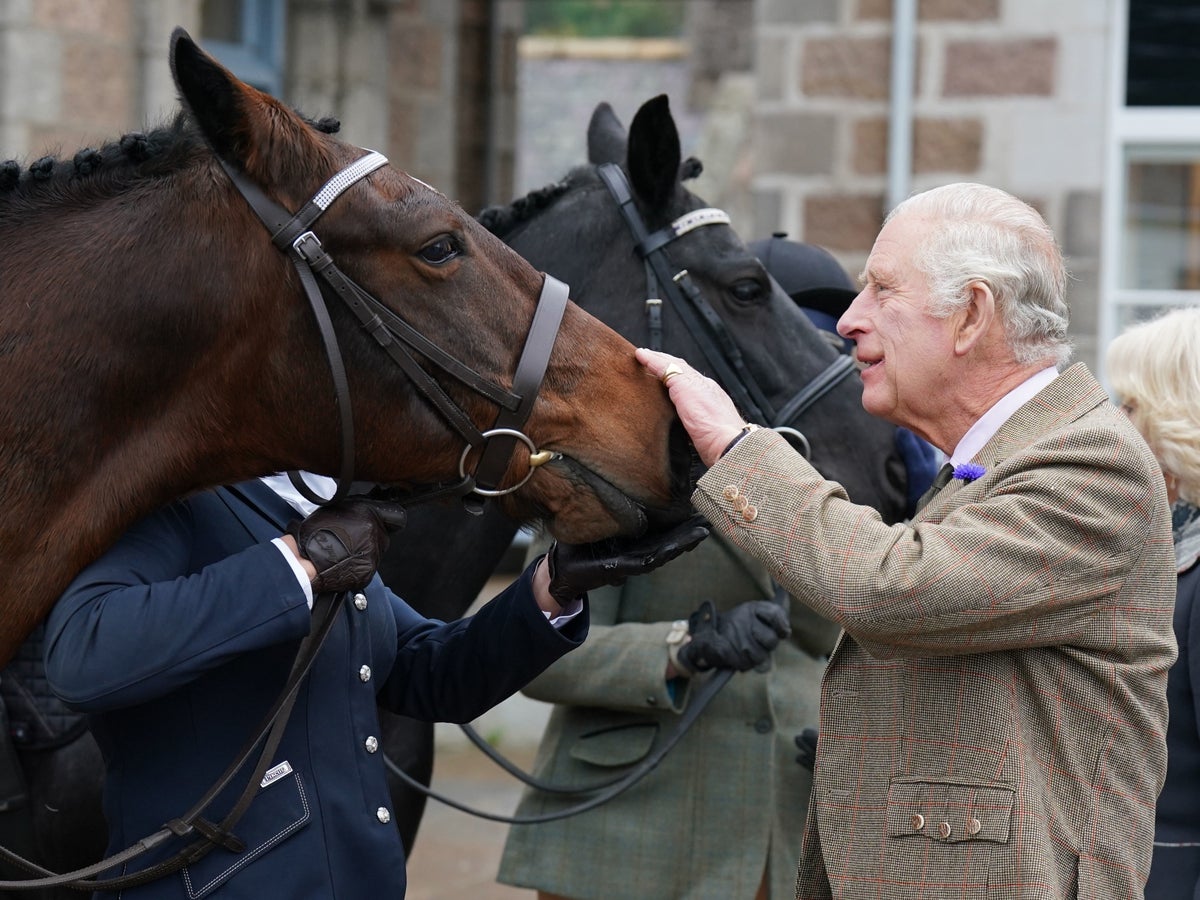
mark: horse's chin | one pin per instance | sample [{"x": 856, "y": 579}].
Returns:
[{"x": 596, "y": 509}]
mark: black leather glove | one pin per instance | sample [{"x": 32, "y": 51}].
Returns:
[
  {"x": 806, "y": 743},
  {"x": 345, "y": 541},
  {"x": 739, "y": 639},
  {"x": 575, "y": 569}
]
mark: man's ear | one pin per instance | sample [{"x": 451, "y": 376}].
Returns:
[{"x": 975, "y": 319}]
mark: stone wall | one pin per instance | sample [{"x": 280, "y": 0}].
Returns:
[
  {"x": 1006, "y": 93},
  {"x": 429, "y": 83},
  {"x": 791, "y": 102},
  {"x": 561, "y": 81},
  {"x": 76, "y": 73}
]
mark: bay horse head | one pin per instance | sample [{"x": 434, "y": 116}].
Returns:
[
  {"x": 651, "y": 259},
  {"x": 154, "y": 341}
]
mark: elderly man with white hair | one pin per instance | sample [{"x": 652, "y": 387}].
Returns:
[{"x": 993, "y": 718}]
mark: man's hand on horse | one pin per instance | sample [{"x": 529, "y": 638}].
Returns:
[
  {"x": 739, "y": 639},
  {"x": 575, "y": 569},
  {"x": 345, "y": 541}
]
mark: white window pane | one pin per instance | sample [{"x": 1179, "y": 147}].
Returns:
[{"x": 1161, "y": 222}]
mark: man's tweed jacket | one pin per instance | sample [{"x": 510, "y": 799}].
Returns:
[{"x": 993, "y": 720}]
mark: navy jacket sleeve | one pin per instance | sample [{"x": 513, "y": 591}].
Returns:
[
  {"x": 188, "y": 589},
  {"x": 144, "y": 620},
  {"x": 454, "y": 672}
]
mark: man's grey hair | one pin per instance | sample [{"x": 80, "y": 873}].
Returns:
[{"x": 980, "y": 233}]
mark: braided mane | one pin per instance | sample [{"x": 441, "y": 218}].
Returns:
[
  {"x": 115, "y": 165},
  {"x": 501, "y": 220}
]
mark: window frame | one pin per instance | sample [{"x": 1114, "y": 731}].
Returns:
[
  {"x": 1134, "y": 133},
  {"x": 257, "y": 60}
]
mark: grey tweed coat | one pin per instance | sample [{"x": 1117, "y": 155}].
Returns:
[
  {"x": 728, "y": 802},
  {"x": 993, "y": 719}
]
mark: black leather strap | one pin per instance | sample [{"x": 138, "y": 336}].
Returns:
[
  {"x": 293, "y": 235},
  {"x": 270, "y": 729},
  {"x": 527, "y": 381},
  {"x": 602, "y": 791},
  {"x": 705, "y": 324},
  {"x": 829, "y": 378},
  {"x": 701, "y": 320}
]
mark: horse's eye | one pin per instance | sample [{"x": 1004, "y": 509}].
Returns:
[
  {"x": 440, "y": 251},
  {"x": 748, "y": 291}
]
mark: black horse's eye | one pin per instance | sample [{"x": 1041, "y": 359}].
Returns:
[
  {"x": 748, "y": 291},
  {"x": 440, "y": 251}
]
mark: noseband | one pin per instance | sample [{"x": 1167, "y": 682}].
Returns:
[
  {"x": 705, "y": 325},
  {"x": 293, "y": 235}
]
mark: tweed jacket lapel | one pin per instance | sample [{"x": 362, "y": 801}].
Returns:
[
  {"x": 1067, "y": 398},
  {"x": 1071, "y": 395}
]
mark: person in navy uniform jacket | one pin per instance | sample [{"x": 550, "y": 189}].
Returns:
[{"x": 179, "y": 638}]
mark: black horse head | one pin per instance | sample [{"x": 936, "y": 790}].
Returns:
[{"x": 576, "y": 230}]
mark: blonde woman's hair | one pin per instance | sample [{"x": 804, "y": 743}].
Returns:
[{"x": 1154, "y": 368}]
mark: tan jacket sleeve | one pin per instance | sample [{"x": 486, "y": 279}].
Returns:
[{"x": 1020, "y": 557}]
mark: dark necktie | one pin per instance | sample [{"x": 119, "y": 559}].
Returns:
[{"x": 945, "y": 473}]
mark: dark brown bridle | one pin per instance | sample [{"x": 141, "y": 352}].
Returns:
[{"x": 293, "y": 235}]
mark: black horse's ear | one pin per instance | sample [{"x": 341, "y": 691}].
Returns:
[
  {"x": 653, "y": 156},
  {"x": 216, "y": 99},
  {"x": 605, "y": 137}
]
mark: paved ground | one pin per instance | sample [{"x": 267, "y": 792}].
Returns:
[{"x": 456, "y": 855}]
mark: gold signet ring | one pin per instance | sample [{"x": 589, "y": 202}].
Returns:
[{"x": 670, "y": 372}]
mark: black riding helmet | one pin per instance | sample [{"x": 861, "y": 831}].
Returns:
[{"x": 810, "y": 275}]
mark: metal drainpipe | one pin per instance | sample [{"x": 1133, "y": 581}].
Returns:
[
  {"x": 491, "y": 145},
  {"x": 900, "y": 113}
]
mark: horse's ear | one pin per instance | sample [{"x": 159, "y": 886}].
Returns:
[
  {"x": 605, "y": 137},
  {"x": 653, "y": 156},
  {"x": 220, "y": 103}
]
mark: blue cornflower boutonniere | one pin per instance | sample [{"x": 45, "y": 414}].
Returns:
[{"x": 968, "y": 472}]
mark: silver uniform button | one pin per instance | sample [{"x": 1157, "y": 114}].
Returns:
[
  {"x": 371, "y": 743},
  {"x": 383, "y": 815},
  {"x": 360, "y": 601},
  {"x": 364, "y": 674}
]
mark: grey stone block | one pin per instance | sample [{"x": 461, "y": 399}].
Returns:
[
  {"x": 1081, "y": 231},
  {"x": 777, "y": 12},
  {"x": 795, "y": 143}
]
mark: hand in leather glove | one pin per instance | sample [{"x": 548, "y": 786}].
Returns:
[
  {"x": 345, "y": 541},
  {"x": 806, "y": 743},
  {"x": 739, "y": 639},
  {"x": 575, "y": 569}
]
